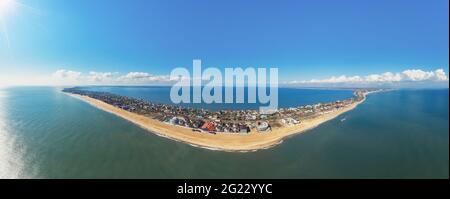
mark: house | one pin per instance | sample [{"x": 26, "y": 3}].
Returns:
[
  {"x": 208, "y": 126},
  {"x": 173, "y": 121},
  {"x": 244, "y": 129},
  {"x": 263, "y": 126},
  {"x": 198, "y": 123},
  {"x": 289, "y": 121}
]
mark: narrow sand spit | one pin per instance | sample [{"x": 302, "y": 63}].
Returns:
[{"x": 221, "y": 141}]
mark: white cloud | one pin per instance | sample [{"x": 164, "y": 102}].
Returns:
[
  {"x": 100, "y": 76},
  {"x": 410, "y": 76},
  {"x": 418, "y": 75},
  {"x": 136, "y": 75},
  {"x": 66, "y": 74},
  {"x": 65, "y": 77},
  {"x": 142, "y": 77},
  {"x": 440, "y": 75}
]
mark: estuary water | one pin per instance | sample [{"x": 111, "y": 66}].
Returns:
[
  {"x": 398, "y": 134},
  {"x": 287, "y": 97}
]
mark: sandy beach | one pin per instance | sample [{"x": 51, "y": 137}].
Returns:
[{"x": 221, "y": 141}]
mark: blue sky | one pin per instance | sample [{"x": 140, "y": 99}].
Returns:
[{"x": 304, "y": 39}]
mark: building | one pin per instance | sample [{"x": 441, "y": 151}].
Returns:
[
  {"x": 244, "y": 129},
  {"x": 289, "y": 121},
  {"x": 262, "y": 126},
  {"x": 208, "y": 126}
]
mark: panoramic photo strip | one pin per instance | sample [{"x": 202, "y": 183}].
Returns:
[{"x": 204, "y": 92}]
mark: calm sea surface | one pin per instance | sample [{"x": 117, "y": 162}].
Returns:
[
  {"x": 47, "y": 134},
  {"x": 288, "y": 97}
]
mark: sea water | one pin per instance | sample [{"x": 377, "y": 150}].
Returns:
[{"x": 398, "y": 134}]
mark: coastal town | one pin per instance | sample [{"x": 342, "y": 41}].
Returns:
[{"x": 221, "y": 121}]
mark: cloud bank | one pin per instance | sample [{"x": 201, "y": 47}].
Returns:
[
  {"x": 67, "y": 77},
  {"x": 66, "y": 74},
  {"x": 406, "y": 78}
]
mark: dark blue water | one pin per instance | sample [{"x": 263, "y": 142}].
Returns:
[
  {"x": 287, "y": 97},
  {"x": 47, "y": 134}
]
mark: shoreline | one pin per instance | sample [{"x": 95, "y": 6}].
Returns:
[{"x": 250, "y": 142}]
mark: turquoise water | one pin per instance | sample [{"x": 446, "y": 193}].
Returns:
[{"x": 398, "y": 134}]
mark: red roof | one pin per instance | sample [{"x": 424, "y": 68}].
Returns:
[{"x": 209, "y": 126}]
